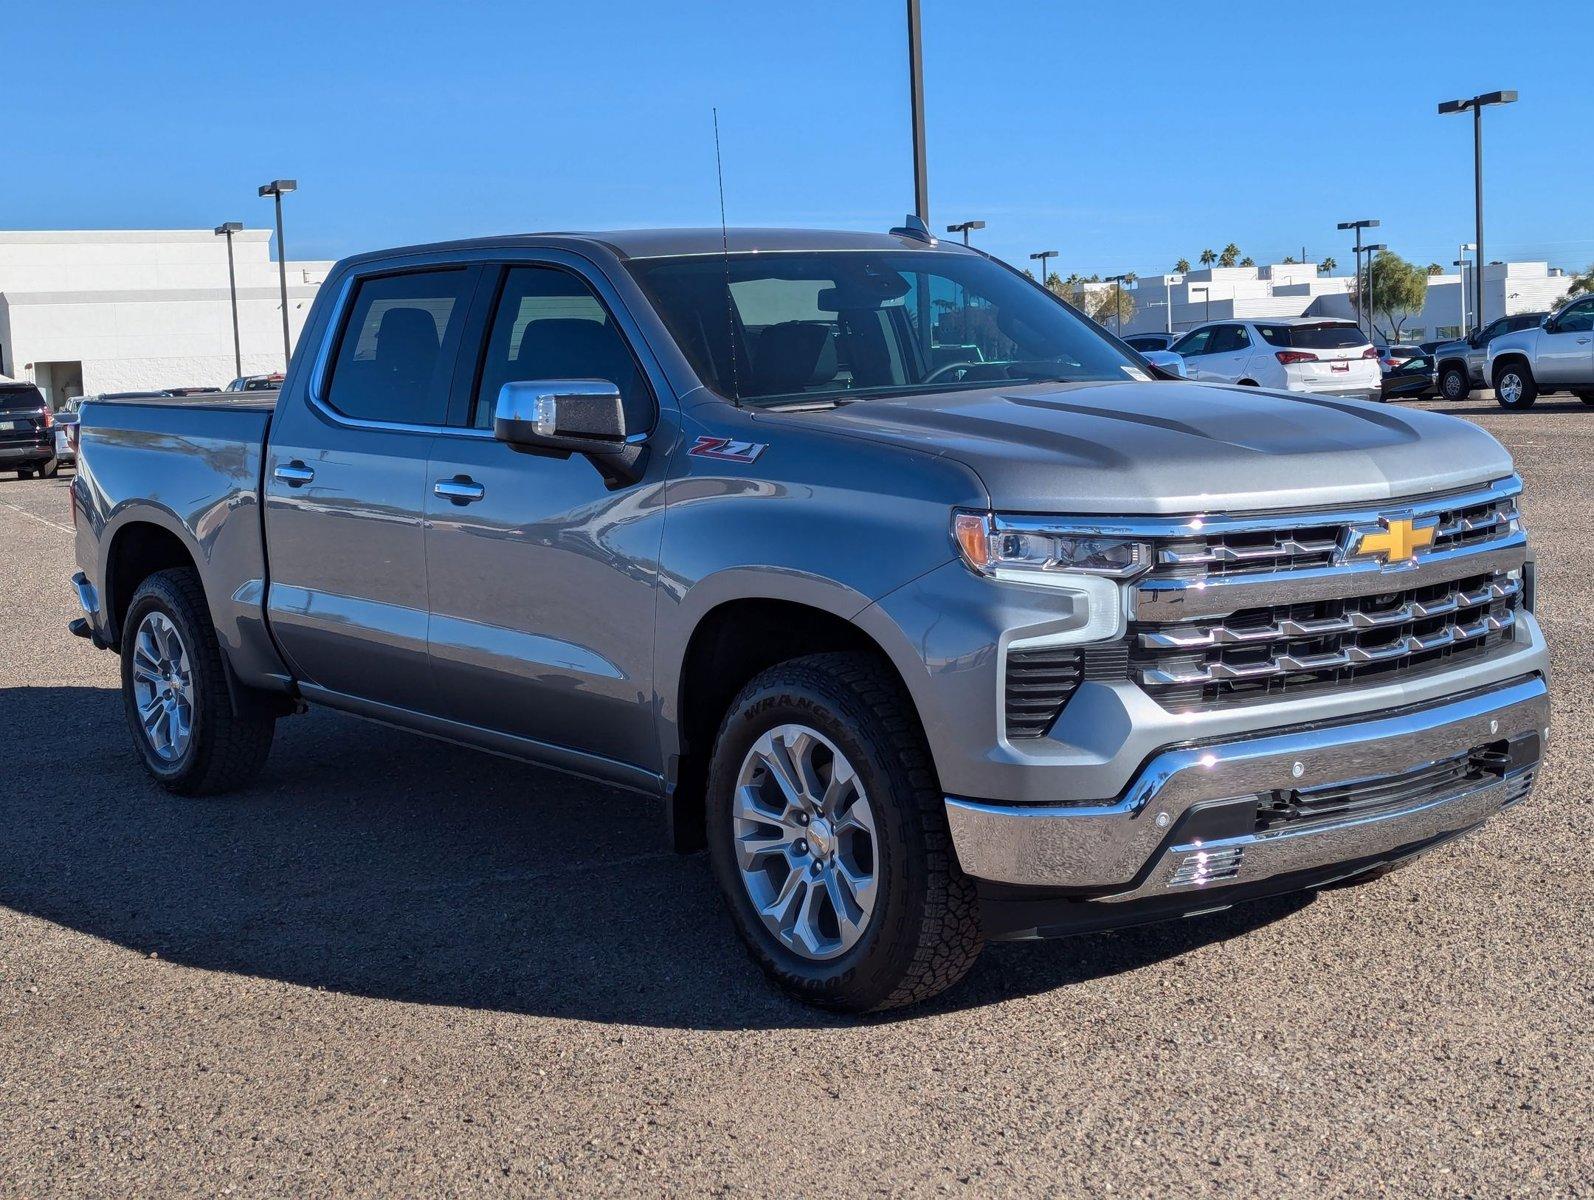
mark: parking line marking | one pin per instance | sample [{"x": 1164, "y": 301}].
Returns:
[{"x": 36, "y": 517}]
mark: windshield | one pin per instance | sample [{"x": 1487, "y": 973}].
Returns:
[
  {"x": 1327, "y": 336},
  {"x": 836, "y": 326}
]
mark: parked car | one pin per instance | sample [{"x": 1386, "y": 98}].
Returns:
[
  {"x": 1152, "y": 341},
  {"x": 256, "y": 383},
  {"x": 1410, "y": 379},
  {"x": 923, "y": 654},
  {"x": 66, "y": 431},
  {"x": 1302, "y": 354},
  {"x": 1462, "y": 364},
  {"x": 1390, "y": 357},
  {"x": 1555, "y": 356},
  {"x": 27, "y": 431}
]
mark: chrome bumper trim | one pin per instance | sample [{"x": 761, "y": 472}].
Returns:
[{"x": 1108, "y": 847}]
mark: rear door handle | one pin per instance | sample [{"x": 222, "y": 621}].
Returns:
[
  {"x": 461, "y": 489},
  {"x": 294, "y": 474}
]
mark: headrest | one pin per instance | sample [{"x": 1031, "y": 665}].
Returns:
[
  {"x": 794, "y": 355},
  {"x": 406, "y": 332},
  {"x": 573, "y": 348}
]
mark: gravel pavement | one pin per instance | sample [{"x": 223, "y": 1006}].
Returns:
[{"x": 395, "y": 967}]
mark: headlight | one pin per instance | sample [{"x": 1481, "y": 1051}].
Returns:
[{"x": 1022, "y": 550}]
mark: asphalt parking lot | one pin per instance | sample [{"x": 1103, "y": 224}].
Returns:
[{"x": 398, "y": 968}]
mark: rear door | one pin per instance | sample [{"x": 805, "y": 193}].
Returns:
[
  {"x": 1565, "y": 355},
  {"x": 346, "y": 486},
  {"x": 543, "y": 577}
]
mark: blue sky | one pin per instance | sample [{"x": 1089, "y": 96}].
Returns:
[{"x": 1123, "y": 135}]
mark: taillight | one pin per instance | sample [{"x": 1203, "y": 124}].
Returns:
[
  {"x": 1290, "y": 357},
  {"x": 1370, "y": 352},
  {"x": 49, "y": 417}
]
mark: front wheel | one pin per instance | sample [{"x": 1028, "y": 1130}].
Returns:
[
  {"x": 174, "y": 690},
  {"x": 828, "y": 835},
  {"x": 1514, "y": 387}
]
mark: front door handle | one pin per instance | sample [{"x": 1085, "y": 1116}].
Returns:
[
  {"x": 461, "y": 489},
  {"x": 294, "y": 474}
]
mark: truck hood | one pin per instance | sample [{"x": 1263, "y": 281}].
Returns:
[{"x": 1167, "y": 447}]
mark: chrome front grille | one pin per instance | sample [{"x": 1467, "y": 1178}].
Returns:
[
  {"x": 1269, "y": 651},
  {"x": 1226, "y": 549}
]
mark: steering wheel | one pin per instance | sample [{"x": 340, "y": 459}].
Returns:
[{"x": 935, "y": 375}]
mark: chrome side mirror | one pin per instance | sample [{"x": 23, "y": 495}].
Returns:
[
  {"x": 1166, "y": 361},
  {"x": 571, "y": 416}
]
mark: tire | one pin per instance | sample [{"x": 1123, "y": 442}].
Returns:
[
  {"x": 50, "y": 469},
  {"x": 922, "y": 932},
  {"x": 222, "y": 750},
  {"x": 1454, "y": 384},
  {"x": 1517, "y": 382},
  {"x": 1586, "y": 397},
  {"x": 24, "y": 473}
]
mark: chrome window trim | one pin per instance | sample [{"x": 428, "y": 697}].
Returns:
[{"x": 1208, "y": 525}]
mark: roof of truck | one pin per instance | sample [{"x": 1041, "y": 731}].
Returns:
[{"x": 658, "y": 243}]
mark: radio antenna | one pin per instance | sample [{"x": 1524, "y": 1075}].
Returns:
[{"x": 725, "y": 252}]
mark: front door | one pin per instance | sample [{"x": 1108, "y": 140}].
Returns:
[
  {"x": 543, "y": 577},
  {"x": 1566, "y": 350},
  {"x": 346, "y": 484}
]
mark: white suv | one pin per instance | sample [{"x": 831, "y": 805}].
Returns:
[{"x": 1296, "y": 354}]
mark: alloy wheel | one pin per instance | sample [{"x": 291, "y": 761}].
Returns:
[
  {"x": 163, "y": 687},
  {"x": 1510, "y": 387},
  {"x": 805, "y": 842}
]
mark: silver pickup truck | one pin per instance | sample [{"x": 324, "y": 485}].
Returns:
[{"x": 926, "y": 645}]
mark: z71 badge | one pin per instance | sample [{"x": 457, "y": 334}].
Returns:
[{"x": 725, "y": 448}]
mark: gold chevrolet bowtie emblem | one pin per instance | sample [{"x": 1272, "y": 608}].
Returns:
[{"x": 1395, "y": 541}]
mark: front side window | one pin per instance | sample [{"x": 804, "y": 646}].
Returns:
[
  {"x": 1193, "y": 343},
  {"x": 1579, "y": 318},
  {"x": 836, "y": 326},
  {"x": 550, "y": 325},
  {"x": 396, "y": 352}
]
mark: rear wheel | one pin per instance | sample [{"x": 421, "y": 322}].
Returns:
[
  {"x": 174, "y": 691},
  {"x": 1586, "y": 397},
  {"x": 1453, "y": 383},
  {"x": 1514, "y": 386},
  {"x": 828, "y": 835},
  {"x": 50, "y": 469},
  {"x": 24, "y": 473}
]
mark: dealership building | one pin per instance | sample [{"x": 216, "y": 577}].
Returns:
[
  {"x": 1184, "y": 301},
  {"x": 84, "y": 312}
]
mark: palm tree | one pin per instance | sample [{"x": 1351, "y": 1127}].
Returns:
[
  {"x": 1289, "y": 260},
  {"x": 1435, "y": 269},
  {"x": 1208, "y": 258},
  {"x": 1248, "y": 261},
  {"x": 1230, "y": 255},
  {"x": 1328, "y": 266},
  {"x": 1181, "y": 266}
]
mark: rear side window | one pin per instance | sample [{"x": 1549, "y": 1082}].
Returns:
[
  {"x": 550, "y": 325},
  {"x": 1330, "y": 335},
  {"x": 1226, "y": 339},
  {"x": 396, "y": 352}
]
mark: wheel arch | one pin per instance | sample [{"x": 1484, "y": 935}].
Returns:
[
  {"x": 730, "y": 643},
  {"x": 136, "y": 550}
]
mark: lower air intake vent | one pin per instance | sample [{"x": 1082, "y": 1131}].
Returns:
[{"x": 1039, "y": 682}]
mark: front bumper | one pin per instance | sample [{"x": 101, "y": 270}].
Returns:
[{"x": 1193, "y": 817}]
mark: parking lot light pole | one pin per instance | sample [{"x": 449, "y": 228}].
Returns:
[
  {"x": 1042, "y": 256},
  {"x": 963, "y": 227},
  {"x": 1358, "y": 226},
  {"x": 1167, "y": 294},
  {"x": 1369, "y": 251},
  {"x": 1476, "y": 105},
  {"x": 1117, "y": 282},
  {"x": 227, "y": 230},
  {"x": 921, "y": 170},
  {"x": 1462, "y": 263},
  {"x": 276, "y": 189}
]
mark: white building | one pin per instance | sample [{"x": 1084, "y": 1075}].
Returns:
[
  {"x": 90, "y": 311},
  {"x": 1298, "y": 290}
]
